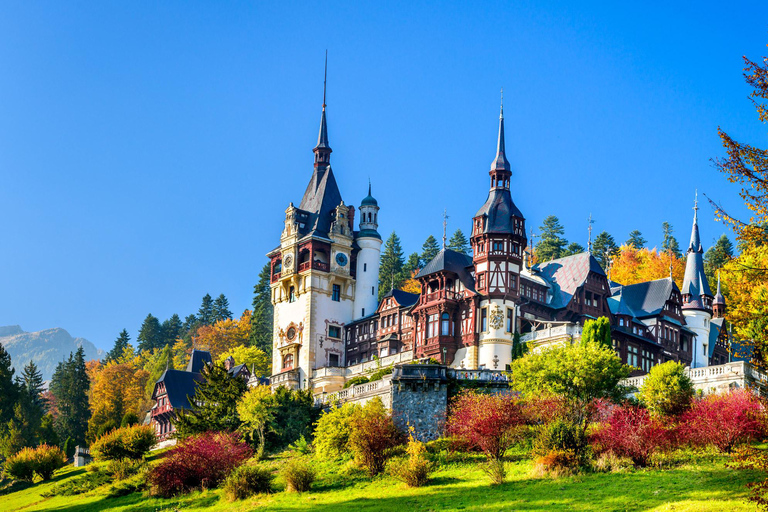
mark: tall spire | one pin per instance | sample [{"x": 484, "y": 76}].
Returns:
[
  {"x": 322, "y": 138},
  {"x": 696, "y": 292},
  {"x": 500, "y": 163},
  {"x": 695, "y": 245}
]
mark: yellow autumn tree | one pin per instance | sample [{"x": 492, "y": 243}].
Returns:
[
  {"x": 256, "y": 359},
  {"x": 224, "y": 335},
  {"x": 117, "y": 388},
  {"x": 412, "y": 285},
  {"x": 639, "y": 265}
]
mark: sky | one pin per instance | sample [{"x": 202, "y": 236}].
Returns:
[{"x": 148, "y": 150}]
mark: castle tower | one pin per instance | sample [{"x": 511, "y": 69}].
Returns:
[
  {"x": 313, "y": 289},
  {"x": 368, "y": 257},
  {"x": 498, "y": 240},
  {"x": 697, "y": 297},
  {"x": 718, "y": 305}
]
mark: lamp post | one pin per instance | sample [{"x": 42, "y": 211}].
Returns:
[{"x": 445, "y": 354}]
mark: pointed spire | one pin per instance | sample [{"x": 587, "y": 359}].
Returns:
[
  {"x": 322, "y": 137},
  {"x": 500, "y": 163},
  {"x": 718, "y": 283},
  {"x": 695, "y": 245},
  {"x": 589, "y": 242}
]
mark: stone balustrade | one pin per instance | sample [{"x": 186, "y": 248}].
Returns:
[
  {"x": 556, "y": 331},
  {"x": 720, "y": 378},
  {"x": 358, "y": 393},
  {"x": 483, "y": 375}
]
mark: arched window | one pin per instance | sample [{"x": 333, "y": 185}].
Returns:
[
  {"x": 288, "y": 362},
  {"x": 445, "y": 325}
]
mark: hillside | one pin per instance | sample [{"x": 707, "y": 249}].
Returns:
[{"x": 46, "y": 348}]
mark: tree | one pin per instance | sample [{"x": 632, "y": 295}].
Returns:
[
  {"x": 519, "y": 348},
  {"x": 117, "y": 389},
  {"x": 372, "y": 435},
  {"x": 551, "y": 242},
  {"x": 597, "y": 331},
  {"x": 604, "y": 249},
  {"x": 717, "y": 256},
  {"x": 573, "y": 248},
  {"x": 632, "y": 266},
  {"x": 410, "y": 269},
  {"x": 225, "y": 335},
  {"x": 390, "y": 269},
  {"x": 30, "y": 409},
  {"x": 458, "y": 242},
  {"x": 205, "y": 315},
  {"x": 429, "y": 250},
  {"x": 216, "y": 398},
  {"x": 151, "y": 334},
  {"x": 8, "y": 390},
  {"x": 262, "y": 316},
  {"x": 669, "y": 244},
  {"x": 221, "y": 309},
  {"x": 256, "y": 412},
  {"x": 70, "y": 386},
  {"x": 667, "y": 390},
  {"x": 122, "y": 341},
  {"x": 254, "y": 358},
  {"x": 172, "y": 330},
  {"x": 636, "y": 240},
  {"x": 294, "y": 415},
  {"x": 155, "y": 364}
]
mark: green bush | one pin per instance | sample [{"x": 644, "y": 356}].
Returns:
[
  {"x": 248, "y": 480},
  {"x": 414, "y": 470},
  {"x": 104, "y": 428},
  {"x": 69, "y": 447},
  {"x": 372, "y": 436},
  {"x": 379, "y": 374},
  {"x": 301, "y": 446},
  {"x": 121, "y": 469},
  {"x": 332, "y": 431},
  {"x": 125, "y": 443},
  {"x": 41, "y": 461},
  {"x": 21, "y": 466},
  {"x": 129, "y": 419},
  {"x": 354, "y": 381},
  {"x": 559, "y": 435},
  {"x": 298, "y": 475},
  {"x": 667, "y": 390}
]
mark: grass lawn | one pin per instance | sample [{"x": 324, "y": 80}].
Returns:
[{"x": 706, "y": 485}]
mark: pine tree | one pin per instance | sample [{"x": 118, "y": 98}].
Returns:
[
  {"x": 161, "y": 360},
  {"x": 33, "y": 383},
  {"x": 458, "y": 242},
  {"x": 69, "y": 387},
  {"x": 392, "y": 261},
  {"x": 573, "y": 248},
  {"x": 190, "y": 323},
  {"x": 429, "y": 250},
  {"x": 205, "y": 313},
  {"x": 670, "y": 242},
  {"x": 604, "y": 248},
  {"x": 150, "y": 335},
  {"x": 172, "y": 330},
  {"x": 636, "y": 240},
  {"x": 717, "y": 256},
  {"x": 121, "y": 343},
  {"x": 221, "y": 309},
  {"x": 551, "y": 242},
  {"x": 411, "y": 264},
  {"x": 217, "y": 396},
  {"x": 9, "y": 391},
  {"x": 262, "y": 316}
]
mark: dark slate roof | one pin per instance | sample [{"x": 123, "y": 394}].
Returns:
[
  {"x": 452, "y": 261},
  {"x": 642, "y": 299},
  {"x": 322, "y": 136},
  {"x": 319, "y": 202},
  {"x": 695, "y": 280},
  {"x": 236, "y": 369},
  {"x": 179, "y": 385},
  {"x": 197, "y": 360},
  {"x": 405, "y": 299},
  {"x": 500, "y": 162},
  {"x": 715, "y": 326},
  {"x": 719, "y": 299},
  {"x": 566, "y": 275},
  {"x": 498, "y": 210}
]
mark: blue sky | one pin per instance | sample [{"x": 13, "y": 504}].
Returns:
[{"x": 149, "y": 149}]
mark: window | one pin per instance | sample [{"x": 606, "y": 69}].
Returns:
[
  {"x": 287, "y": 361},
  {"x": 632, "y": 356},
  {"x": 333, "y": 359},
  {"x": 445, "y": 325},
  {"x": 336, "y": 296},
  {"x": 372, "y": 291},
  {"x": 621, "y": 322},
  {"x": 510, "y": 316},
  {"x": 292, "y": 294},
  {"x": 365, "y": 267},
  {"x": 334, "y": 331},
  {"x": 363, "y": 313},
  {"x": 481, "y": 281},
  {"x": 483, "y": 319},
  {"x": 432, "y": 326},
  {"x": 498, "y": 246}
]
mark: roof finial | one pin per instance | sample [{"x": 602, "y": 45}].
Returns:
[
  {"x": 589, "y": 228},
  {"x": 718, "y": 282},
  {"x": 369, "y": 185},
  {"x": 501, "y": 112},
  {"x": 445, "y": 225},
  {"x": 325, "y": 76}
]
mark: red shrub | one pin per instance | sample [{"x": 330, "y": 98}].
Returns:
[
  {"x": 486, "y": 422},
  {"x": 372, "y": 435},
  {"x": 631, "y": 432},
  {"x": 724, "y": 420},
  {"x": 203, "y": 461}
]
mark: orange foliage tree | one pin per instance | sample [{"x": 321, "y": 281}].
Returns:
[
  {"x": 224, "y": 335},
  {"x": 117, "y": 388},
  {"x": 412, "y": 285},
  {"x": 638, "y": 265}
]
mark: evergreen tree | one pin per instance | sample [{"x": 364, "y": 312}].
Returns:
[
  {"x": 670, "y": 242},
  {"x": 190, "y": 323},
  {"x": 458, "y": 242},
  {"x": 221, "y": 309},
  {"x": 32, "y": 381},
  {"x": 412, "y": 264},
  {"x": 262, "y": 316},
  {"x": 636, "y": 240},
  {"x": 598, "y": 331},
  {"x": 160, "y": 361},
  {"x": 172, "y": 330},
  {"x": 205, "y": 314},
  {"x": 216, "y": 398},
  {"x": 551, "y": 242},
  {"x": 47, "y": 432},
  {"x": 573, "y": 248},
  {"x": 519, "y": 348},
  {"x": 9, "y": 391},
  {"x": 604, "y": 248},
  {"x": 717, "y": 256},
  {"x": 150, "y": 335},
  {"x": 121, "y": 343},
  {"x": 392, "y": 261},
  {"x": 429, "y": 250},
  {"x": 69, "y": 387}
]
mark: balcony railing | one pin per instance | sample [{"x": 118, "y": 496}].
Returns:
[
  {"x": 286, "y": 376},
  {"x": 377, "y": 387},
  {"x": 478, "y": 375},
  {"x": 442, "y": 294}
]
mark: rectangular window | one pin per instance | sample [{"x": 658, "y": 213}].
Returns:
[
  {"x": 333, "y": 359},
  {"x": 292, "y": 294},
  {"x": 372, "y": 291},
  {"x": 510, "y": 315},
  {"x": 483, "y": 319},
  {"x": 336, "y": 293},
  {"x": 365, "y": 267},
  {"x": 334, "y": 331},
  {"x": 432, "y": 326}
]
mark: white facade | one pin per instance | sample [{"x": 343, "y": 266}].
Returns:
[
  {"x": 699, "y": 322},
  {"x": 495, "y": 347},
  {"x": 367, "y": 279}
]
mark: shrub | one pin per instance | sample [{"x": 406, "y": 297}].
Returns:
[
  {"x": 123, "y": 468},
  {"x": 332, "y": 431},
  {"x": 667, "y": 390},
  {"x": 631, "y": 432},
  {"x": 298, "y": 475},
  {"x": 130, "y": 418},
  {"x": 558, "y": 463},
  {"x": 354, "y": 381},
  {"x": 379, "y": 374},
  {"x": 125, "y": 443},
  {"x": 372, "y": 434},
  {"x": 724, "y": 420},
  {"x": 414, "y": 470},
  {"x": 609, "y": 462},
  {"x": 202, "y": 461},
  {"x": 246, "y": 481},
  {"x": 41, "y": 461},
  {"x": 105, "y": 428},
  {"x": 301, "y": 446},
  {"x": 69, "y": 447}
]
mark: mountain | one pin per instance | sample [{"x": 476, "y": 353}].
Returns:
[{"x": 46, "y": 348}]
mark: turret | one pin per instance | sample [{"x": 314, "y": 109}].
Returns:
[
  {"x": 718, "y": 305},
  {"x": 368, "y": 256}
]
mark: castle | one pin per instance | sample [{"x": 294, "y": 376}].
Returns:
[{"x": 328, "y": 321}]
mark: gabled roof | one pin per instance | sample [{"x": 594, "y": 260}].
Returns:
[
  {"x": 642, "y": 299},
  {"x": 566, "y": 275},
  {"x": 404, "y": 299},
  {"x": 197, "y": 360},
  {"x": 452, "y": 261},
  {"x": 180, "y": 387}
]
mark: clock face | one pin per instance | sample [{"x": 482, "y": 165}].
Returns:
[
  {"x": 341, "y": 259},
  {"x": 288, "y": 261}
]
